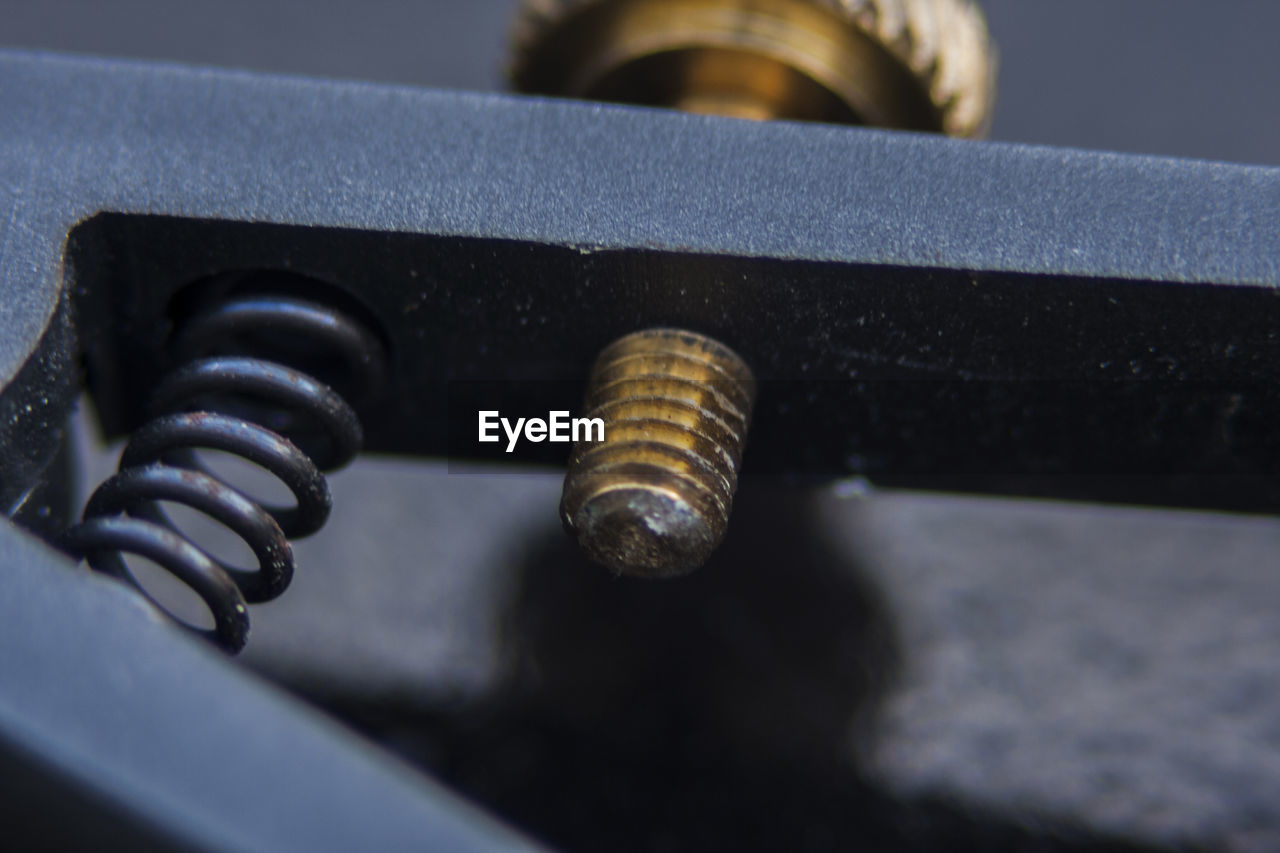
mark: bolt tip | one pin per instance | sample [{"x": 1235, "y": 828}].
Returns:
[{"x": 643, "y": 532}]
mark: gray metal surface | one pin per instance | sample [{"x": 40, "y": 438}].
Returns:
[
  {"x": 993, "y": 279},
  {"x": 854, "y": 196},
  {"x": 1116, "y": 665},
  {"x": 167, "y": 733},
  {"x": 1065, "y": 81},
  {"x": 1145, "y": 76}
]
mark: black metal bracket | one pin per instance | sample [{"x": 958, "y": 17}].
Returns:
[{"x": 922, "y": 311}]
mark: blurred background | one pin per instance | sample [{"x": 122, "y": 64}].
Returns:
[
  {"x": 880, "y": 670},
  {"x": 1152, "y": 76}
]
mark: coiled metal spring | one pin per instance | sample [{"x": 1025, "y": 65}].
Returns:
[{"x": 250, "y": 407}]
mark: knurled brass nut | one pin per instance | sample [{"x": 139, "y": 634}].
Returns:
[{"x": 910, "y": 64}]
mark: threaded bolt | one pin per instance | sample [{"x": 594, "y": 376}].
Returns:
[{"x": 653, "y": 499}]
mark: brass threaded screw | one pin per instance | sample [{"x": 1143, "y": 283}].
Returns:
[{"x": 653, "y": 499}]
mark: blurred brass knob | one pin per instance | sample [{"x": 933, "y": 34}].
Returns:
[{"x": 909, "y": 64}]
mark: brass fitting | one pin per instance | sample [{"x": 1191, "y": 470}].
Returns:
[
  {"x": 909, "y": 64},
  {"x": 653, "y": 499}
]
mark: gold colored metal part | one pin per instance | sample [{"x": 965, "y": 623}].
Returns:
[
  {"x": 653, "y": 499},
  {"x": 909, "y": 64}
]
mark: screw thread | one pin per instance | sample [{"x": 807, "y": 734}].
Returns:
[{"x": 653, "y": 498}]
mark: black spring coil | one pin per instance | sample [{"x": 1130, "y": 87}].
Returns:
[{"x": 244, "y": 406}]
